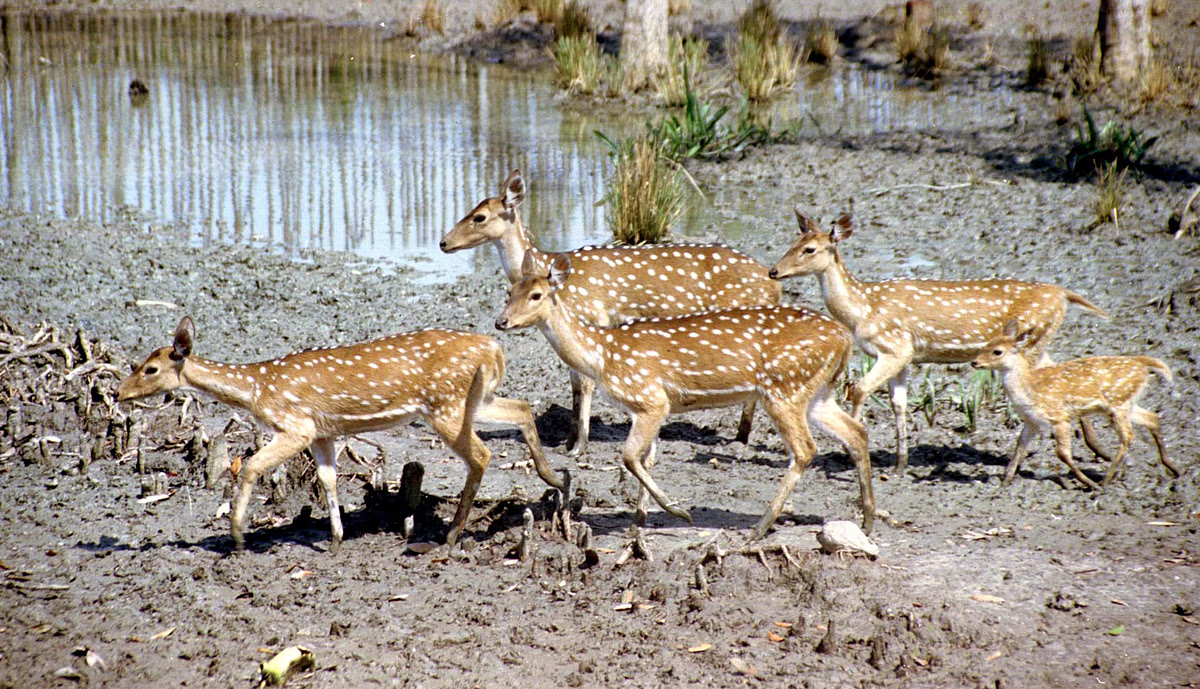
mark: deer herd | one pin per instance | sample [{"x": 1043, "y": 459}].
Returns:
[{"x": 666, "y": 329}]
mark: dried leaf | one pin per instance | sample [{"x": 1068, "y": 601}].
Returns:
[
  {"x": 1118, "y": 601},
  {"x": 784, "y": 625},
  {"x": 421, "y": 548},
  {"x": 985, "y": 598},
  {"x": 68, "y": 672},
  {"x": 1162, "y": 524},
  {"x": 1190, "y": 619},
  {"x": 93, "y": 659},
  {"x": 151, "y": 499},
  {"x": 276, "y": 670},
  {"x": 699, "y": 648},
  {"x": 772, "y": 636},
  {"x": 398, "y": 596},
  {"x": 606, "y": 551},
  {"x": 163, "y": 634},
  {"x": 1117, "y": 630},
  {"x": 263, "y": 649},
  {"x": 235, "y": 466},
  {"x": 921, "y": 662},
  {"x": 994, "y": 655},
  {"x": 300, "y": 574},
  {"x": 222, "y": 510},
  {"x": 621, "y": 607}
]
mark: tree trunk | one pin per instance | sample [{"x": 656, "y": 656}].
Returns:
[
  {"x": 1124, "y": 29},
  {"x": 643, "y": 42}
]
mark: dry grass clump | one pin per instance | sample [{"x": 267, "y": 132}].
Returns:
[
  {"x": 924, "y": 52},
  {"x": 433, "y": 15},
  {"x": 1155, "y": 82},
  {"x": 1159, "y": 7},
  {"x": 579, "y": 65},
  {"x": 507, "y": 10},
  {"x": 765, "y": 59},
  {"x": 644, "y": 197},
  {"x": 574, "y": 20},
  {"x": 820, "y": 43},
  {"x": 1110, "y": 193},
  {"x": 547, "y": 11},
  {"x": 1085, "y": 65},
  {"x": 976, "y": 15},
  {"x": 686, "y": 58},
  {"x": 1037, "y": 55},
  {"x": 675, "y": 7}
]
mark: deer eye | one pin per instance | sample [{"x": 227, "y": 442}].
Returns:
[
  {"x": 479, "y": 218},
  {"x": 997, "y": 352},
  {"x": 151, "y": 370},
  {"x": 810, "y": 249},
  {"x": 535, "y": 296}
]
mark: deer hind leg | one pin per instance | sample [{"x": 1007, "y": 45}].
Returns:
[
  {"x": 830, "y": 418},
  {"x": 888, "y": 367},
  {"x": 743, "y": 432},
  {"x": 642, "y": 434},
  {"x": 518, "y": 413},
  {"x": 281, "y": 448},
  {"x": 643, "y": 499},
  {"x": 792, "y": 423},
  {"x": 1121, "y": 423},
  {"x": 325, "y": 452},
  {"x": 898, "y": 387},
  {"x": 1028, "y": 432},
  {"x": 1149, "y": 420},
  {"x": 1093, "y": 442},
  {"x": 582, "y": 388},
  {"x": 1062, "y": 446}
]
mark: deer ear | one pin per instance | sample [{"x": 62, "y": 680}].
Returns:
[
  {"x": 560, "y": 268},
  {"x": 1011, "y": 328},
  {"x": 514, "y": 190},
  {"x": 185, "y": 333},
  {"x": 806, "y": 223},
  {"x": 529, "y": 266},
  {"x": 842, "y": 229}
]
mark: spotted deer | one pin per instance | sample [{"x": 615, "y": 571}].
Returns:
[
  {"x": 788, "y": 358},
  {"x": 904, "y": 321},
  {"x": 610, "y": 285},
  {"x": 1057, "y": 395},
  {"x": 310, "y": 398}
]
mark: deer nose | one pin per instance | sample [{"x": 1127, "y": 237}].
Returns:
[
  {"x": 773, "y": 273},
  {"x": 502, "y": 323},
  {"x": 442, "y": 245},
  {"x": 974, "y": 364}
]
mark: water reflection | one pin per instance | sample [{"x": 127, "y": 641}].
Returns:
[
  {"x": 283, "y": 133},
  {"x": 302, "y": 136}
]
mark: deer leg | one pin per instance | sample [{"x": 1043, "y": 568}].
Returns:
[
  {"x": 641, "y": 436},
  {"x": 1148, "y": 419},
  {"x": 1028, "y": 432},
  {"x": 790, "y": 420},
  {"x": 643, "y": 499},
  {"x": 885, "y": 369},
  {"x": 898, "y": 386},
  {"x": 582, "y": 388},
  {"x": 325, "y": 452},
  {"x": 518, "y": 413},
  {"x": 456, "y": 430},
  {"x": 830, "y": 418},
  {"x": 743, "y": 433},
  {"x": 1090, "y": 439},
  {"x": 281, "y": 448},
  {"x": 1120, "y": 422},
  {"x": 1062, "y": 446}
]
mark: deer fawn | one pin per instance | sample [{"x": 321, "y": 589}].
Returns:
[
  {"x": 612, "y": 285},
  {"x": 1057, "y": 395},
  {"x": 311, "y": 397},
  {"x": 920, "y": 321},
  {"x": 786, "y": 357}
]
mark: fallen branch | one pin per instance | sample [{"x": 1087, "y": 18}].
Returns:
[{"x": 880, "y": 191}]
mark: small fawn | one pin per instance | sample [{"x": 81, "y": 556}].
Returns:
[
  {"x": 1058, "y": 394},
  {"x": 311, "y": 397},
  {"x": 920, "y": 321},
  {"x": 788, "y": 358},
  {"x": 610, "y": 285}
]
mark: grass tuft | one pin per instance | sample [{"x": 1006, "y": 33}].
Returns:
[
  {"x": 820, "y": 43},
  {"x": 433, "y": 15},
  {"x": 765, "y": 59},
  {"x": 1110, "y": 193},
  {"x": 686, "y": 57},
  {"x": 1155, "y": 82},
  {"x": 924, "y": 52},
  {"x": 1097, "y": 147},
  {"x": 1037, "y": 55},
  {"x": 575, "y": 20},
  {"x": 579, "y": 65},
  {"x": 644, "y": 197},
  {"x": 1085, "y": 65}
]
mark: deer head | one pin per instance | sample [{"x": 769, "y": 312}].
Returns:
[
  {"x": 1000, "y": 352},
  {"x": 160, "y": 372},
  {"x": 813, "y": 251},
  {"x": 530, "y": 298},
  {"x": 489, "y": 220}
]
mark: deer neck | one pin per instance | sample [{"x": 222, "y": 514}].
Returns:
[
  {"x": 576, "y": 342},
  {"x": 843, "y": 294},
  {"x": 512, "y": 246},
  {"x": 1017, "y": 385},
  {"x": 233, "y": 384}
]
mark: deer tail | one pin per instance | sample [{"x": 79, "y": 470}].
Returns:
[
  {"x": 1157, "y": 366},
  {"x": 1076, "y": 299}
]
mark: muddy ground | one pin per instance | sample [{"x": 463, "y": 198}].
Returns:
[{"x": 1039, "y": 584}]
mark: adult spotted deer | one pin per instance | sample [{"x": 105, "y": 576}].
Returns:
[
  {"x": 1057, "y": 395},
  {"x": 920, "y": 321},
  {"x": 309, "y": 398},
  {"x": 788, "y": 358},
  {"x": 610, "y": 285}
]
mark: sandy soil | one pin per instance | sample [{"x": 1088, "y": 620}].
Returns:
[{"x": 1038, "y": 584}]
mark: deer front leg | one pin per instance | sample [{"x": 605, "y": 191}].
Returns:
[
  {"x": 886, "y": 368},
  {"x": 582, "y": 388},
  {"x": 1062, "y": 446},
  {"x": 325, "y": 453},
  {"x": 642, "y": 434},
  {"x": 791, "y": 422},
  {"x": 898, "y": 387},
  {"x": 281, "y": 448},
  {"x": 1028, "y": 432},
  {"x": 1090, "y": 439},
  {"x": 830, "y": 418},
  {"x": 518, "y": 413}
]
